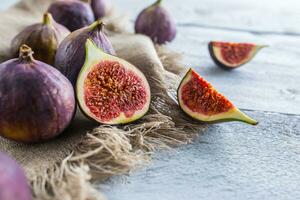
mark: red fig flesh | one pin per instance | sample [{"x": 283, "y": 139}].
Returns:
[
  {"x": 201, "y": 101},
  {"x": 37, "y": 102},
  {"x": 71, "y": 53},
  {"x": 111, "y": 90},
  {"x": 157, "y": 23},
  {"x": 73, "y": 14},
  {"x": 43, "y": 38},
  {"x": 231, "y": 55},
  {"x": 13, "y": 183}
]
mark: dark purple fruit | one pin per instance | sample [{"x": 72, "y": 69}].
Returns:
[
  {"x": 101, "y": 8},
  {"x": 43, "y": 38},
  {"x": 71, "y": 53},
  {"x": 73, "y": 14},
  {"x": 157, "y": 23},
  {"x": 13, "y": 183},
  {"x": 37, "y": 102}
]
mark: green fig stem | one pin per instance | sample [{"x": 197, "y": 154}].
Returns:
[
  {"x": 47, "y": 19},
  {"x": 86, "y": 1},
  {"x": 97, "y": 24},
  {"x": 25, "y": 53},
  {"x": 157, "y": 3}
]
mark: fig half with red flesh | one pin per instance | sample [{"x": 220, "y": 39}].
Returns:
[
  {"x": 231, "y": 55},
  {"x": 110, "y": 90},
  {"x": 200, "y": 100}
]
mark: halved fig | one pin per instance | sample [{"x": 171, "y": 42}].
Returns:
[
  {"x": 110, "y": 90},
  {"x": 200, "y": 100},
  {"x": 231, "y": 55}
]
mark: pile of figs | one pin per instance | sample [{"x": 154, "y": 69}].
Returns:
[{"x": 67, "y": 60}]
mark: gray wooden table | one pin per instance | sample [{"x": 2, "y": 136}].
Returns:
[{"x": 231, "y": 161}]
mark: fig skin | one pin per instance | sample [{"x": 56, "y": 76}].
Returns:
[
  {"x": 73, "y": 14},
  {"x": 37, "y": 102},
  {"x": 157, "y": 23},
  {"x": 44, "y": 38},
  {"x": 71, "y": 53},
  {"x": 13, "y": 183},
  {"x": 101, "y": 8}
]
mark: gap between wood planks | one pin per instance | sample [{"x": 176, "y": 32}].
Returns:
[{"x": 195, "y": 25}]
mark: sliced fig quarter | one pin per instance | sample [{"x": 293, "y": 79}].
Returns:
[
  {"x": 200, "y": 100},
  {"x": 231, "y": 55},
  {"x": 110, "y": 90}
]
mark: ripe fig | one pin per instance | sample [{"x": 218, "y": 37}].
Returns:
[
  {"x": 71, "y": 52},
  {"x": 231, "y": 55},
  {"x": 43, "y": 38},
  {"x": 200, "y": 100},
  {"x": 111, "y": 90},
  {"x": 13, "y": 183},
  {"x": 73, "y": 14},
  {"x": 37, "y": 102},
  {"x": 101, "y": 7},
  {"x": 157, "y": 23}
]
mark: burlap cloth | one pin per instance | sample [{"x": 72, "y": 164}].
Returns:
[{"x": 66, "y": 168}]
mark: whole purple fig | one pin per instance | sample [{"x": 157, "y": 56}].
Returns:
[
  {"x": 101, "y": 8},
  {"x": 156, "y": 22},
  {"x": 71, "y": 53},
  {"x": 43, "y": 38},
  {"x": 13, "y": 183},
  {"x": 37, "y": 102},
  {"x": 73, "y": 14}
]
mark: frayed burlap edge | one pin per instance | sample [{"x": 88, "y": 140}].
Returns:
[{"x": 110, "y": 150}]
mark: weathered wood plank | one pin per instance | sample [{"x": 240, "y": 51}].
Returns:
[
  {"x": 273, "y": 16},
  {"x": 231, "y": 161}
]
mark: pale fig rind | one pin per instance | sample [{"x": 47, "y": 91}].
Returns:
[
  {"x": 101, "y": 8},
  {"x": 13, "y": 183},
  {"x": 95, "y": 56},
  {"x": 71, "y": 53},
  {"x": 216, "y": 107},
  {"x": 43, "y": 38},
  {"x": 37, "y": 102},
  {"x": 157, "y": 23},
  {"x": 216, "y": 52},
  {"x": 73, "y": 14}
]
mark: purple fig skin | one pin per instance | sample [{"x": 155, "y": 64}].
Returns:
[
  {"x": 157, "y": 23},
  {"x": 101, "y": 7},
  {"x": 37, "y": 102},
  {"x": 71, "y": 53},
  {"x": 43, "y": 38},
  {"x": 73, "y": 14},
  {"x": 13, "y": 183}
]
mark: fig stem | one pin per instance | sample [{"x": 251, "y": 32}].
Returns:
[
  {"x": 158, "y": 2},
  {"x": 26, "y": 53},
  {"x": 47, "y": 19},
  {"x": 97, "y": 24}
]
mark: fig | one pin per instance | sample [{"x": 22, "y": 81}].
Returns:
[
  {"x": 71, "y": 53},
  {"x": 101, "y": 7},
  {"x": 201, "y": 101},
  {"x": 13, "y": 183},
  {"x": 73, "y": 14},
  {"x": 37, "y": 102},
  {"x": 157, "y": 23},
  {"x": 43, "y": 38},
  {"x": 231, "y": 55},
  {"x": 111, "y": 90}
]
